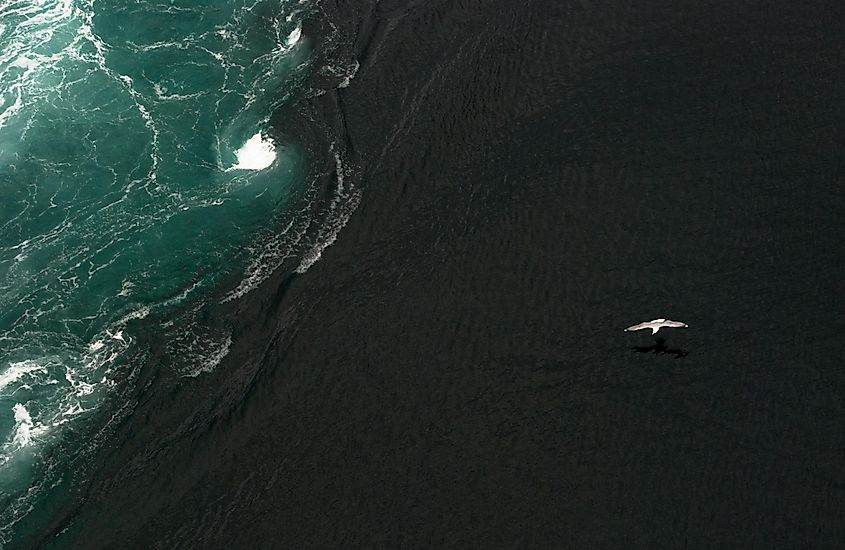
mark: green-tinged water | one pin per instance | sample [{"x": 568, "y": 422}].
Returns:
[{"x": 135, "y": 171}]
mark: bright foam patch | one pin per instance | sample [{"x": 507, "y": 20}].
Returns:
[
  {"x": 25, "y": 430},
  {"x": 256, "y": 154},
  {"x": 294, "y": 36}
]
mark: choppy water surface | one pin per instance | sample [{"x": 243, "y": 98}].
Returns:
[{"x": 135, "y": 167}]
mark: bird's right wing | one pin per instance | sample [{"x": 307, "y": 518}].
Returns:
[
  {"x": 638, "y": 327},
  {"x": 675, "y": 324}
]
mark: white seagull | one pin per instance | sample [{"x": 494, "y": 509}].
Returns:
[{"x": 656, "y": 325}]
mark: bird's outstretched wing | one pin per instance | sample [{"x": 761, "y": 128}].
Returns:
[
  {"x": 675, "y": 324},
  {"x": 638, "y": 327}
]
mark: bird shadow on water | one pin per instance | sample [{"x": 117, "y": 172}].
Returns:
[{"x": 660, "y": 348}]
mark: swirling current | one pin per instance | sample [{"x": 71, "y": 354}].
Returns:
[{"x": 138, "y": 167}]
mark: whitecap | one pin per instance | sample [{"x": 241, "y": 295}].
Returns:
[
  {"x": 256, "y": 154},
  {"x": 17, "y": 370},
  {"x": 350, "y": 74},
  {"x": 126, "y": 289},
  {"x": 96, "y": 346},
  {"x": 343, "y": 205},
  {"x": 139, "y": 313},
  {"x": 25, "y": 430},
  {"x": 73, "y": 410},
  {"x": 294, "y": 36},
  {"x": 117, "y": 336},
  {"x": 206, "y": 362}
]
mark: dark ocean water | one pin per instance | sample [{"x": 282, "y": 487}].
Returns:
[{"x": 453, "y": 373}]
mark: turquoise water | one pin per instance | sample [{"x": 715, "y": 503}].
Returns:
[{"x": 136, "y": 169}]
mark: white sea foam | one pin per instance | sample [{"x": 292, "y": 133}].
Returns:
[
  {"x": 23, "y": 425},
  {"x": 270, "y": 256},
  {"x": 25, "y": 430},
  {"x": 18, "y": 370},
  {"x": 73, "y": 410},
  {"x": 293, "y": 241},
  {"x": 294, "y": 36},
  {"x": 351, "y": 71},
  {"x": 140, "y": 313},
  {"x": 126, "y": 289},
  {"x": 206, "y": 360},
  {"x": 341, "y": 208},
  {"x": 257, "y": 153},
  {"x": 117, "y": 336}
]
